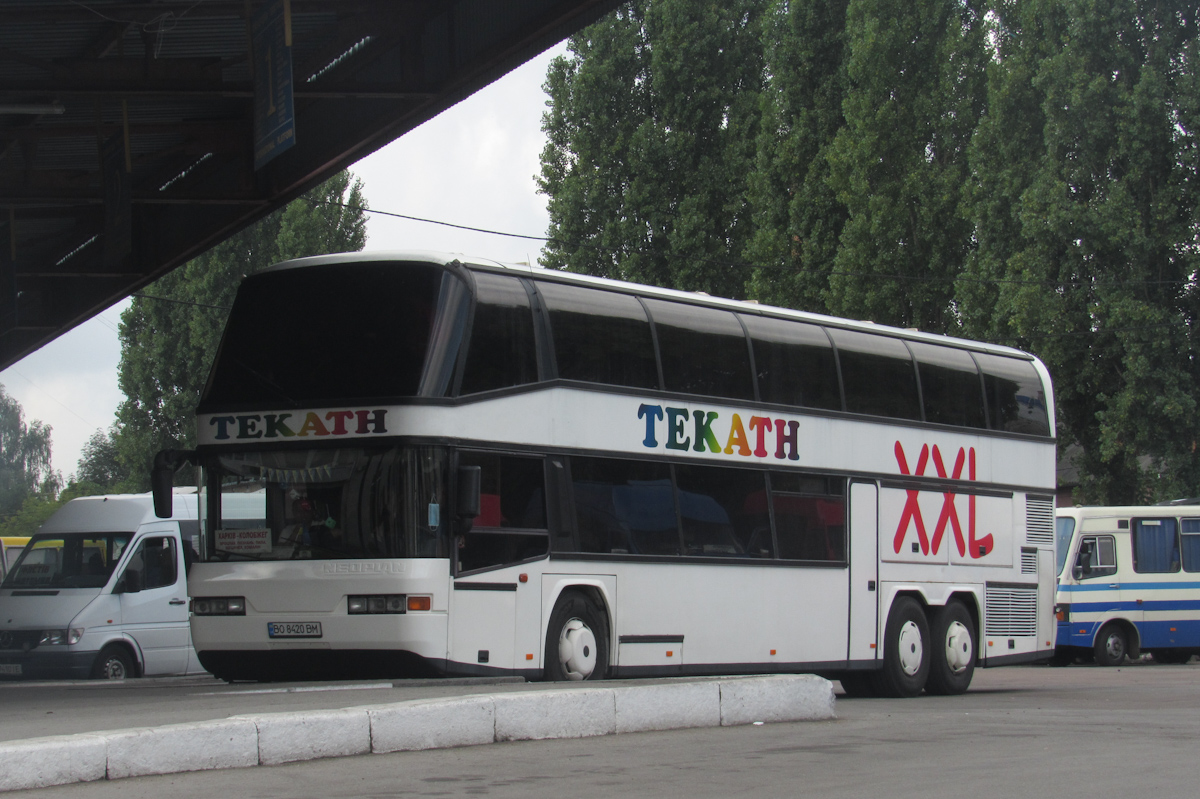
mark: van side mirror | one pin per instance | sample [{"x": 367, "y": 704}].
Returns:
[
  {"x": 162, "y": 479},
  {"x": 466, "y": 504}
]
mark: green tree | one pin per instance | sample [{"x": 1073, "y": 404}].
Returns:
[
  {"x": 898, "y": 165},
  {"x": 798, "y": 218},
  {"x": 100, "y": 461},
  {"x": 25, "y": 458},
  {"x": 1085, "y": 202},
  {"x": 651, "y": 132},
  {"x": 170, "y": 334}
]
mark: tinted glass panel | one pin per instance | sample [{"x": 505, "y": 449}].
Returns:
[
  {"x": 810, "y": 517},
  {"x": 152, "y": 565},
  {"x": 795, "y": 363},
  {"x": 1016, "y": 400},
  {"x": 878, "y": 375},
  {"x": 512, "y": 502},
  {"x": 1064, "y": 528},
  {"x": 950, "y": 385},
  {"x": 724, "y": 513},
  {"x": 502, "y": 351},
  {"x": 72, "y": 560},
  {"x": 600, "y": 336},
  {"x": 326, "y": 334},
  {"x": 624, "y": 507},
  {"x": 1104, "y": 555},
  {"x": 703, "y": 350},
  {"x": 1155, "y": 546},
  {"x": 1190, "y": 544}
]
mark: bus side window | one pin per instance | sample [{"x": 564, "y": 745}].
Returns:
[
  {"x": 511, "y": 525},
  {"x": 1097, "y": 557},
  {"x": 502, "y": 351},
  {"x": 1155, "y": 546},
  {"x": 877, "y": 375},
  {"x": 702, "y": 350},
  {"x": 1189, "y": 544}
]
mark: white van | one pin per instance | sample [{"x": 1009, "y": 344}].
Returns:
[{"x": 101, "y": 591}]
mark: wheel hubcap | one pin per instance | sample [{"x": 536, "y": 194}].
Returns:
[
  {"x": 1115, "y": 647},
  {"x": 114, "y": 670},
  {"x": 577, "y": 650},
  {"x": 911, "y": 648},
  {"x": 959, "y": 648}
]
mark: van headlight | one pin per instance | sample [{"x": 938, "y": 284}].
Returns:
[{"x": 59, "y": 637}]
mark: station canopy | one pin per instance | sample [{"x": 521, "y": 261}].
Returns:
[{"x": 136, "y": 135}]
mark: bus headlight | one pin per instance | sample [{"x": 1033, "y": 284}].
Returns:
[
  {"x": 219, "y": 606},
  {"x": 58, "y": 637},
  {"x": 378, "y": 603}
]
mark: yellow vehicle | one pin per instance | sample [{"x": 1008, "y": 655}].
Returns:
[{"x": 10, "y": 550}]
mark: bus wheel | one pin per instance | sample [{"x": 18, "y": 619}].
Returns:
[
  {"x": 952, "y": 661},
  {"x": 906, "y": 651},
  {"x": 1112, "y": 644},
  {"x": 113, "y": 663},
  {"x": 577, "y": 640}
]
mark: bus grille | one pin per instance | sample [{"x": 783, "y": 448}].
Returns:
[
  {"x": 1028, "y": 561},
  {"x": 1039, "y": 520},
  {"x": 1010, "y": 612}
]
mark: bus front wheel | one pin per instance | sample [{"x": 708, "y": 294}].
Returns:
[
  {"x": 1112, "y": 644},
  {"x": 906, "y": 651},
  {"x": 952, "y": 662},
  {"x": 576, "y": 639}
]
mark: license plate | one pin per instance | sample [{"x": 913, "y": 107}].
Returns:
[
  {"x": 10, "y": 669},
  {"x": 294, "y": 629}
]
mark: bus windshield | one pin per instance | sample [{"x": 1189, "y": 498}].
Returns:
[
  {"x": 328, "y": 504},
  {"x": 1064, "y": 528},
  {"x": 68, "y": 560},
  {"x": 401, "y": 341}
]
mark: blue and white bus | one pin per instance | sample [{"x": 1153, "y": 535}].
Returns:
[
  {"x": 474, "y": 468},
  {"x": 1132, "y": 584}
]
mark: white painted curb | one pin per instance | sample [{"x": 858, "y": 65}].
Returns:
[{"x": 270, "y": 738}]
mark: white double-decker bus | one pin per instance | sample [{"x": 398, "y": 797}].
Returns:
[{"x": 470, "y": 468}]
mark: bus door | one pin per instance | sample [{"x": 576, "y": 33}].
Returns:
[{"x": 864, "y": 571}]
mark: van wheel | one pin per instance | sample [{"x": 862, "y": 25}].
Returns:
[
  {"x": 906, "y": 653},
  {"x": 952, "y": 661},
  {"x": 576, "y": 640},
  {"x": 1112, "y": 644},
  {"x": 113, "y": 663}
]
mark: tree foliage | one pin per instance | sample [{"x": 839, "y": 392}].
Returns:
[
  {"x": 25, "y": 458},
  {"x": 170, "y": 334},
  {"x": 1024, "y": 173}
]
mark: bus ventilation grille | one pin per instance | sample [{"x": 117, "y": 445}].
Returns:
[
  {"x": 1039, "y": 521},
  {"x": 1011, "y": 612},
  {"x": 1028, "y": 561}
]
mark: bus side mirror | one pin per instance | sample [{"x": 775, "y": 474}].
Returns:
[
  {"x": 467, "y": 502},
  {"x": 162, "y": 480},
  {"x": 1083, "y": 561}
]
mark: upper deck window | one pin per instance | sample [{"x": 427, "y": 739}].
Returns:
[
  {"x": 703, "y": 350},
  {"x": 878, "y": 375},
  {"x": 950, "y": 385},
  {"x": 795, "y": 363},
  {"x": 502, "y": 352},
  {"x": 1016, "y": 399},
  {"x": 325, "y": 335},
  {"x": 600, "y": 336}
]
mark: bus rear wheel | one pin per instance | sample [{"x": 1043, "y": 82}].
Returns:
[
  {"x": 906, "y": 651},
  {"x": 576, "y": 639},
  {"x": 952, "y": 662}
]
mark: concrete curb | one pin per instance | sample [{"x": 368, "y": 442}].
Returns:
[{"x": 272, "y": 738}]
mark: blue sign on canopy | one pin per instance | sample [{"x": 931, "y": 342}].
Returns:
[{"x": 274, "y": 111}]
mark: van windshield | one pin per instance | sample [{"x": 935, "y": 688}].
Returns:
[
  {"x": 68, "y": 560},
  {"x": 1064, "y": 528}
]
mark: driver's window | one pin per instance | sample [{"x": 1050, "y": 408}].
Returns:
[
  {"x": 1103, "y": 559},
  {"x": 152, "y": 565}
]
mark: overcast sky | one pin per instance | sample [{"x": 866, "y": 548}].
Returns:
[{"x": 474, "y": 165}]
